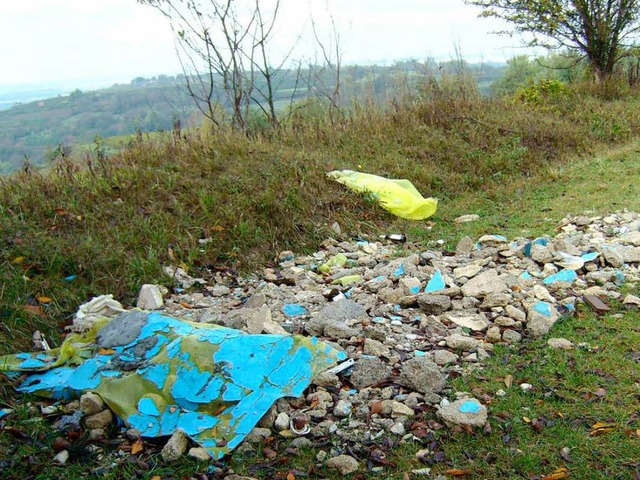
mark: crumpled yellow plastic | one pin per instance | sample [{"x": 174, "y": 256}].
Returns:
[{"x": 398, "y": 197}]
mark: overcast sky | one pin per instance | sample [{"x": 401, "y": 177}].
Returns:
[{"x": 51, "y": 41}]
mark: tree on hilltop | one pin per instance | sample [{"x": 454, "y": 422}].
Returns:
[{"x": 600, "y": 30}]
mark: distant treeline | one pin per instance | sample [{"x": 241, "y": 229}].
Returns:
[{"x": 35, "y": 130}]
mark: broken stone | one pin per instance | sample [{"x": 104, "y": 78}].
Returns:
[
  {"x": 444, "y": 357},
  {"x": 511, "y": 336},
  {"x": 540, "y": 318},
  {"x": 463, "y": 412},
  {"x": 282, "y": 422},
  {"x": 258, "y": 435},
  {"x": 61, "y": 457},
  {"x": 560, "y": 343},
  {"x": 101, "y": 419},
  {"x": 421, "y": 375},
  {"x": 150, "y": 297},
  {"x": 175, "y": 447},
  {"x": 484, "y": 284},
  {"x": 458, "y": 341},
  {"x": 375, "y": 348},
  {"x": 345, "y": 464},
  {"x": 369, "y": 371},
  {"x": 199, "y": 453},
  {"x": 434, "y": 304},
  {"x": 91, "y": 403},
  {"x": 465, "y": 245},
  {"x": 475, "y": 322}
]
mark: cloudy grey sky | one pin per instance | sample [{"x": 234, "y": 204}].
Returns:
[{"x": 51, "y": 41}]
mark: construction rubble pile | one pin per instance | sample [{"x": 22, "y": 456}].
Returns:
[{"x": 407, "y": 320}]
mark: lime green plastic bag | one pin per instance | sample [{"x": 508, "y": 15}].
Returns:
[{"x": 399, "y": 197}]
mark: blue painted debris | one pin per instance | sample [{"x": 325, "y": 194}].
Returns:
[
  {"x": 294, "y": 310},
  {"x": 526, "y": 275},
  {"x": 159, "y": 374},
  {"x": 590, "y": 257},
  {"x": 619, "y": 280},
  {"x": 4, "y": 412},
  {"x": 470, "y": 406},
  {"x": 415, "y": 290},
  {"x": 538, "y": 241},
  {"x": 435, "y": 283},
  {"x": 399, "y": 271},
  {"x": 543, "y": 308},
  {"x": 573, "y": 262},
  {"x": 566, "y": 275},
  {"x": 70, "y": 278}
]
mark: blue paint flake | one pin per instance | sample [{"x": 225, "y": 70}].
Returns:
[
  {"x": 470, "y": 406},
  {"x": 294, "y": 310},
  {"x": 543, "y": 308},
  {"x": 566, "y": 275},
  {"x": 526, "y": 275},
  {"x": 147, "y": 406},
  {"x": 436, "y": 282},
  {"x": 399, "y": 271}
]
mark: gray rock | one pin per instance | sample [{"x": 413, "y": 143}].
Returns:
[
  {"x": 326, "y": 379},
  {"x": 462, "y": 342},
  {"x": 375, "y": 348},
  {"x": 434, "y": 304},
  {"x": 101, "y": 419},
  {"x": 259, "y": 320},
  {"x": 541, "y": 254},
  {"x": 398, "y": 428},
  {"x": 511, "y": 336},
  {"x": 465, "y": 245},
  {"x": 343, "y": 311},
  {"x": 258, "y": 435},
  {"x": 199, "y": 454},
  {"x": 631, "y": 238},
  {"x": 467, "y": 271},
  {"x": 463, "y": 412},
  {"x": 342, "y": 409},
  {"x": 484, "y": 284},
  {"x": 493, "y": 334},
  {"x": 421, "y": 375},
  {"x": 337, "y": 329},
  {"x": 344, "y": 464},
  {"x": 496, "y": 300},
  {"x": 470, "y": 217},
  {"x": 444, "y": 357},
  {"x": 256, "y": 300},
  {"x": 91, "y": 403},
  {"x": 631, "y": 301},
  {"x": 476, "y": 322},
  {"x": 540, "y": 318},
  {"x": 515, "y": 313},
  {"x": 301, "y": 442},
  {"x": 369, "y": 371},
  {"x": 282, "y": 422},
  {"x": 175, "y": 447},
  {"x": 560, "y": 343},
  {"x": 612, "y": 256}
]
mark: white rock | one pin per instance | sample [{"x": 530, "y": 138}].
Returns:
[
  {"x": 560, "y": 343},
  {"x": 150, "y": 297},
  {"x": 477, "y": 322},
  {"x": 61, "y": 457},
  {"x": 344, "y": 464},
  {"x": 199, "y": 454},
  {"x": 175, "y": 447},
  {"x": 484, "y": 284}
]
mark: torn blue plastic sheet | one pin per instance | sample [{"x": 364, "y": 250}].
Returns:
[
  {"x": 4, "y": 412},
  {"x": 294, "y": 310},
  {"x": 435, "y": 283},
  {"x": 470, "y": 406},
  {"x": 526, "y": 275},
  {"x": 70, "y": 278},
  {"x": 159, "y": 374},
  {"x": 566, "y": 275}
]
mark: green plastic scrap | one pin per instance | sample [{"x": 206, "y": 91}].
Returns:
[
  {"x": 159, "y": 374},
  {"x": 399, "y": 197},
  {"x": 338, "y": 260},
  {"x": 348, "y": 280}
]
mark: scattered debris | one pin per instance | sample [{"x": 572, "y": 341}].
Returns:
[{"x": 394, "y": 329}]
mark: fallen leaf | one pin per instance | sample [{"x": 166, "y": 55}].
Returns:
[
  {"x": 526, "y": 419},
  {"x": 558, "y": 474},
  {"x": 18, "y": 260},
  {"x": 601, "y": 392},
  {"x": 565, "y": 453},
  {"x": 376, "y": 407},
  {"x": 106, "y": 351},
  {"x": 45, "y": 300},
  {"x": 457, "y": 472},
  {"x": 186, "y": 305},
  {"x": 137, "y": 447},
  {"x": 508, "y": 381},
  {"x": 291, "y": 476},
  {"x": 156, "y": 477},
  {"x": 601, "y": 428}
]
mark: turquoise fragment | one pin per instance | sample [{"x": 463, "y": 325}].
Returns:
[
  {"x": 543, "y": 308},
  {"x": 436, "y": 283},
  {"x": 566, "y": 275},
  {"x": 470, "y": 406},
  {"x": 294, "y": 310},
  {"x": 399, "y": 271}
]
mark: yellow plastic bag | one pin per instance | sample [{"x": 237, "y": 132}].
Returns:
[{"x": 399, "y": 197}]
